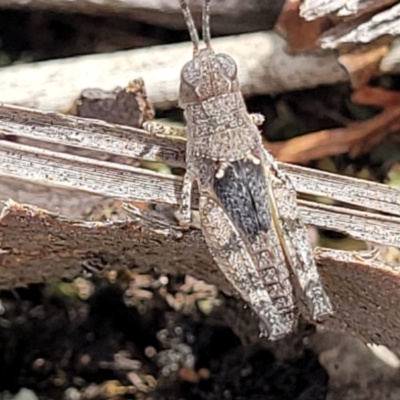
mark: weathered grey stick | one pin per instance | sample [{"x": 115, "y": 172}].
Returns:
[
  {"x": 263, "y": 65},
  {"x": 312, "y": 9},
  {"x": 136, "y": 143},
  {"x": 128, "y": 183},
  {"x": 230, "y": 15},
  {"x": 92, "y": 6},
  {"x": 385, "y": 23}
]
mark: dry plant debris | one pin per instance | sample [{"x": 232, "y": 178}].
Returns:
[{"x": 101, "y": 158}]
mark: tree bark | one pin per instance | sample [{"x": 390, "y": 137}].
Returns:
[{"x": 38, "y": 246}]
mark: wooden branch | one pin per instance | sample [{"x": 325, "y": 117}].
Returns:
[
  {"x": 135, "y": 184},
  {"x": 93, "y": 6},
  {"x": 38, "y": 246},
  {"x": 125, "y": 141},
  {"x": 385, "y": 23},
  {"x": 83, "y": 133},
  {"x": 229, "y": 16},
  {"x": 313, "y": 9},
  {"x": 75, "y": 204},
  {"x": 264, "y": 68}
]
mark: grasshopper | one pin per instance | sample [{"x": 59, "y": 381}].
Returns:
[{"x": 247, "y": 206}]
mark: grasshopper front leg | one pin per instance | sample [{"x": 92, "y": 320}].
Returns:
[
  {"x": 156, "y": 128},
  {"x": 183, "y": 215}
]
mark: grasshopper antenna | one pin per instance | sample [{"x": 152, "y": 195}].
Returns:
[
  {"x": 206, "y": 24},
  {"x": 190, "y": 24}
]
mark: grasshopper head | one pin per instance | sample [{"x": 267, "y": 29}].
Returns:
[{"x": 208, "y": 74}]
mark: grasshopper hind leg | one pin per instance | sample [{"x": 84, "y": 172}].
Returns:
[
  {"x": 295, "y": 241},
  {"x": 304, "y": 267},
  {"x": 242, "y": 192},
  {"x": 232, "y": 256}
]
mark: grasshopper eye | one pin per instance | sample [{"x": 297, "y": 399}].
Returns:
[
  {"x": 227, "y": 65},
  {"x": 192, "y": 72}
]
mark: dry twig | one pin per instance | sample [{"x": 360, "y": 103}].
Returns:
[
  {"x": 312, "y": 9},
  {"x": 355, "y": 139},
  {"x": 263, "y": 65},
  {"x": 229, "y": 16}
]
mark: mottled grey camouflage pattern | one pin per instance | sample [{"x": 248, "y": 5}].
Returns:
[{"x": 248, "y": 209}]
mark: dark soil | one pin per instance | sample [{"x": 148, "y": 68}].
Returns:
[{"x": 52, "y": 342}]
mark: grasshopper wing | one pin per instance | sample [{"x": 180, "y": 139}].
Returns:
[{"x": 244, "y": 243}]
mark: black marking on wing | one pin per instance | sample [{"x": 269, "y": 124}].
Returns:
[{"x": 243, "y": 192}]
